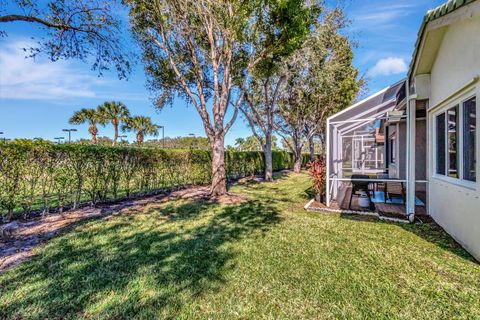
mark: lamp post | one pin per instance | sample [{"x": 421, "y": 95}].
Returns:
[
  {"x": 69, "y": 133},
  {"x": 121, "y": 138},
  {"x": 59, "y": 139},
  {"x": 163, "y": 136},
  {"x": 193, "y": 140}
]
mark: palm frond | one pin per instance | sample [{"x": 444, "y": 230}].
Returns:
[{"x": 84, "y": 115}]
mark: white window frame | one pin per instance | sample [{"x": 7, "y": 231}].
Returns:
[{"x": 460, "y": 165}]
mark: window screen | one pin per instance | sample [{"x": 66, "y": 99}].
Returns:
[
  {"x": 452, "y": 117},
  {"x": 393, "y": 150},
  {"x": 440, "y": 143},
  {"x": 469, "y": 145}
]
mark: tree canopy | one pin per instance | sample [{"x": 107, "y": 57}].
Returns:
[
  {"x": 142, "y": 126},
  {"x": 88, "y": 30},
  {"x": 90, "y": 116},
  {"x": 203, "y": 50},
  {"x": 320, "y": 80},
  {"x": 113, "y": 112},
  {"x": 251, "y": 143},
  {"x": 190, "y": 142}
]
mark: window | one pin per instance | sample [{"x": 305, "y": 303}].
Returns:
[
  {"x": 455, "y": 141},
  {"x": 440, "y": 142},
  {"x": 452, "y": 117},
  {"x": 469, "y": 141},
  {"x": 393, "y": 150}
]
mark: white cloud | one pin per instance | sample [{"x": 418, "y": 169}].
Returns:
[
  {"x": 388, "y": 66},
  {"x": 386, "y": 13},
  {"x": 26, "y": 78},
  {"x": 380, "y": 16}
]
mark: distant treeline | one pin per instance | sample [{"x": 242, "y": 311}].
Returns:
[
  {"x": 201, "y": 143},
  {"x": 38, "y": 176}
]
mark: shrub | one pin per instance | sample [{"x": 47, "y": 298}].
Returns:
[
  {"x": 318, "y": 172},
  {"x": 37, "y": 175}
]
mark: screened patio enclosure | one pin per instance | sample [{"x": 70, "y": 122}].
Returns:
[{"x": 367, "y": 145}]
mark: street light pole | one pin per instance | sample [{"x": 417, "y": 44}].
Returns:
[
  {"x": 163, "y": 136},
  {"x": 193, "y": 140},
  {"x": 121, "y": 138},
  {"x": 69, "y": 133},
  {"x": 59, "y": 139}
]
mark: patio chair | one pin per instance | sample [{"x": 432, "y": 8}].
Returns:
[
  {"x": 380, "y": 186},
  {"x": 360, "y": 186},
  {"x": 394, "y": 188}
]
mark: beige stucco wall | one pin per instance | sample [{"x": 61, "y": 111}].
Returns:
[
  {"x": 458, "y": 59},
  {"x": 455, "y": 207}
]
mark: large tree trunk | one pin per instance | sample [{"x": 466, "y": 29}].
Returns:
[
  {"x": 115, "y": 134},
  {"x": 311, "y": 147},
  {"x": 93, "y": 131},
  {"x": 323, "y": 145},
  {"x": 297, "y": 167},
  {"x": 9, "y": 215},
  {"x": 219, "y": 179},
  {"x": 267, "y": 152},
  {"x": 139, "y": 138}
]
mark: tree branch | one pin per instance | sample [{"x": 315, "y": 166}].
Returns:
[
  {"x": 201, "y": 109},
  {"x": 59, "y": 26},
  {"x": 252, "y": 125},
  {"x": 235, "y": 113},
  {"x": 255, "y": 116}
]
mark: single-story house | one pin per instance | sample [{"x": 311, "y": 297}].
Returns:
[{"x": 420, "y": 135}]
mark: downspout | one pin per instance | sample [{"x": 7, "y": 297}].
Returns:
[
  {"x": 411, "y": 118},
  {"x": 328, "y": 162}
]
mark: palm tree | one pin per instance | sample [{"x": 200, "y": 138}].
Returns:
[
  {"x": 87, "y": 115},
  {"x": 113, "y": 112},
  {"x": 142, "y": 126}
]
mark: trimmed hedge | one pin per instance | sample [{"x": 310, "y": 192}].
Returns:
[{"x": 39, "y": 175}]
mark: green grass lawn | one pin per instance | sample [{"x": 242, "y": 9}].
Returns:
[{"x": 267, "y": 258}]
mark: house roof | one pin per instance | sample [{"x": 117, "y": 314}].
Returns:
[
  {"x": 432, "y": 15},
  {"x": 388, "y": 98}
]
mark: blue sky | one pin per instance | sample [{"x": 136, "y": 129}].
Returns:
[{"x": 37, "y": 97}]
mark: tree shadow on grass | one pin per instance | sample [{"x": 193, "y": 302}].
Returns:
[
  {"x": 282, "y": 175},
  {"x": 132, "y": 269},
  {"x": 429, "y": 231}
]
